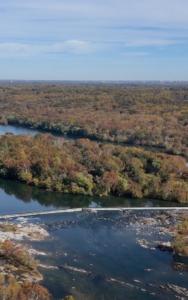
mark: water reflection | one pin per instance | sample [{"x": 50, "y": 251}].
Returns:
[
  {"x": 27, "y": 130},
  {"x": 33, "y": 198},
  {"x": 17, "y": 129},
  {"x": 105, "y": 246},
  {"x": 16, "y": 197}
]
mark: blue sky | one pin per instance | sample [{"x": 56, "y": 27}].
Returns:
[{"x": 94, "y": 40}]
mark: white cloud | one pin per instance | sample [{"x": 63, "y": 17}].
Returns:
[
  {"x": 70, "y": 46},
  {"x": 75, "y": 46},
  {"x": 81, "y": 22},
  {"x": 148, "y": 12},
  {"x": 113, "y": 32}
]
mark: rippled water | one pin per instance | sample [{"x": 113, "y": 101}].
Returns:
[{"x": 105, "y": 244}]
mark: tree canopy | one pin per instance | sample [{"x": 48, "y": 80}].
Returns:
[
  {"x": 152, "y": 115},
  {"x": 90, "y": 168}
]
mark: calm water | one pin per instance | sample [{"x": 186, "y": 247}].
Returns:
[
  {"x": 26, "y": 130},
  {"x": 106, "y": 246},
  {"x": 17, "y": 198},
  {"x": 103, "y": 244},
  {"x": 15, "y": 129}
]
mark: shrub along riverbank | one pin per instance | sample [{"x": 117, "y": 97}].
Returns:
[
  {"x": 180, "y": 240},
  {"x": 89, "y": 168}
]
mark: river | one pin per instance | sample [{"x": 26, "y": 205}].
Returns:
[
  {"x": 101, "y": 256},
  {"x": 98, "y": 255},
  {"x": 16, "y": 197},
  {"x": 26, "y": 130}
]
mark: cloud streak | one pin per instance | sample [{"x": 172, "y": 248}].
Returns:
[
  {"x": 135, "y": 22},
  {"x": 70, "y": 46},
  {"x": 133, "y": 12},
  {"x": 103, "y": 32}
]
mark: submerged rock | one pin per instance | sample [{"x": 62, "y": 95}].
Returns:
[
  {"x": 175, "y": 288},
  {"x": 177, "y": 266},
  {"x": 165, "y": 246}
]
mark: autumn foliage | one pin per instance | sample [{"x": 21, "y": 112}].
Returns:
[
  {"x": 155, "y": 115},
  {"x": 90, "y": 168},
  {"x": 13, "y": 290},
  {"x": 180, "y": 240},
  {"x": 16, "y": 255}
]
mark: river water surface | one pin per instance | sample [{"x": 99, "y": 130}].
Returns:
[
  {"x": 98, "y": 256},
  {"x": 103, "y": 249},
  {"x": 19, "y": 198}
]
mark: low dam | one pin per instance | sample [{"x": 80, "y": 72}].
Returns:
[{"x": 90, "y": 210}]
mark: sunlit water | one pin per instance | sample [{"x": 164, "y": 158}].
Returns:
[
  {"x": 18, "y": 198},
  {"x": 96, "y": 243},
  {"x": 105, "y": 244}
]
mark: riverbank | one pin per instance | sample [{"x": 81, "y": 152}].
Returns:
[
  {"x": 17, "y": 257},
  {"x": 22, "y": 231},
  {"x": 109, "y": 233}
]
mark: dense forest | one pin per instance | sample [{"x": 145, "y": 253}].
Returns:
[
  {"x": 91, "y": 168},
  {"x": 154, "y": 115}
]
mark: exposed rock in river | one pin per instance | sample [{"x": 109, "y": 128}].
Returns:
[
  {"x": 28, "y": 230},
  {"x": 165, "y": 246}
]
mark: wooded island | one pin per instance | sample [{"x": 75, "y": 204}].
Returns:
[
  {"x": 90, "y": 168},
  {"x": 154, "y": 115}
]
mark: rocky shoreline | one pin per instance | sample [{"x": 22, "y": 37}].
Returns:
[
  {"x": 160, "y": 224},
  {"x": 16, "y": 235}
]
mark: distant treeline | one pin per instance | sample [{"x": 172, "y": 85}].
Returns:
[
  {"x": 90, "y": 168},
  {"x": 141, "y": 115}
]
